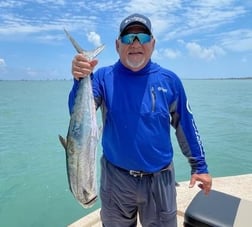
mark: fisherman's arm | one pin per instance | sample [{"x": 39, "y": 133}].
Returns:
[
  {"x": 81, "y": 67},
  {"x": 189, "y": 140}
]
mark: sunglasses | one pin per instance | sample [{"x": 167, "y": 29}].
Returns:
[{"x": 130, "y": 38}]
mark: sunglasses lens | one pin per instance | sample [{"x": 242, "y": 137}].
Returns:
[
  {"x": 144, "y": 38},
  {"x": 129, "y": 38}
]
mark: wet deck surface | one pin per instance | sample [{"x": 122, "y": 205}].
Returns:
[{"x": 239, "y": 186}]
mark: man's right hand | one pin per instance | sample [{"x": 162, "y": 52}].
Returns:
[{"x": 81, "y": 67}]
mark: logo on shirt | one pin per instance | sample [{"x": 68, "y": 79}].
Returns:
[
  {"x": 162, "y": 89},
  {"x": 188, "y": 107}
]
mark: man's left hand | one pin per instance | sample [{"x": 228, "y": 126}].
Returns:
[{"x": 204, "y": 179}]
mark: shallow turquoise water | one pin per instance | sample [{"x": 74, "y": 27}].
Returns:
[{"x": 33, "y": 184}]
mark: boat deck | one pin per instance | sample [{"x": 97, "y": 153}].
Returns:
[{"x": 239, "y": 186}]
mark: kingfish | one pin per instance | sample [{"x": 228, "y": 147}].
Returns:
[{"x": 82, "y": 138}]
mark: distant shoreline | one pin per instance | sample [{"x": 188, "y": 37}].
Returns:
[
  {"x": 221, "y": 78},
  {"x": 208, "y": 78}
]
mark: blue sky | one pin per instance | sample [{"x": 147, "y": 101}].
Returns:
[{"x": 194, "y": 38}]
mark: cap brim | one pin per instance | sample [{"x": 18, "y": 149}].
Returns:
[{"x": 135, "y": 24}]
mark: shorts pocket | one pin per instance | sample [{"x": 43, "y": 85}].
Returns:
[
  {"x": 168, "y": 216},
  {"x": 106, "y": 198}
]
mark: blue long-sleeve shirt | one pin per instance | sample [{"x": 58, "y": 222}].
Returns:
[{"x": 138, "y": 109}]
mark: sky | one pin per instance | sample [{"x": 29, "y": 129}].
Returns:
[{"x": 194, "y": 38}]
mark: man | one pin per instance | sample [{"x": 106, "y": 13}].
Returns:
[{"x": 140, "y": 100}]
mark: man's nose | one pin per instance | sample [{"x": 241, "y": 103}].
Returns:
[{"x": 136, "y": 41}]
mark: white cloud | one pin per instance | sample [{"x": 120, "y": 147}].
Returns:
[
  {"x": 171, "y": 53},
  {"x": 2, "y": 62},
  {"x": 56, "y": 2},
  {"x": 204, "y": 17},
  {"x": 198, "y": 51},
  {"x": 3, "y": 68},
  {"x": 94, "y": 38},
  {"x": 171, "y": 19},
  {"x": 206, "y": 29},
  {"x": 237, "y": 40},
  {"x": 152, "y": 7},
  {"x": 166, "y": 53},
  {"x": 11, "y": 3}
]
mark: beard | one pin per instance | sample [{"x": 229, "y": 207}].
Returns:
[{"x": 135, "y": 64}]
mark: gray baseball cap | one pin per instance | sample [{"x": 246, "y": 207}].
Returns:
[{"x": 135, "y": 19}]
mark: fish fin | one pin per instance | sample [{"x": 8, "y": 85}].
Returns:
[
  {"x": 89, "y": 54},
  {"x": 93, "y": 53},
  {"x": 63, "y": 142},
  {"x": 75, "y": 44}
]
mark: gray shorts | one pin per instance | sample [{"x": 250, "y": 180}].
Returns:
[{"x": 123, "y": 197}]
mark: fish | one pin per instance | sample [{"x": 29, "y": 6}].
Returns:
[{"x": 82, "y": 138}]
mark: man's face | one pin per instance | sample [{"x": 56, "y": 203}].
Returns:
[{"x": 135, "y": 56}]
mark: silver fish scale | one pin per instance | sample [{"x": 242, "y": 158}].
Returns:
[{"x": 82, "y": 139}]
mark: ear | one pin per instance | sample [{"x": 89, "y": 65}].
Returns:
[
  {"x": 153, "y": 43},
  {"x": 117, "y": 45}
]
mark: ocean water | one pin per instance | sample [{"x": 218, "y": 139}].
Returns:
[{"x": 33, "y": 181}]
